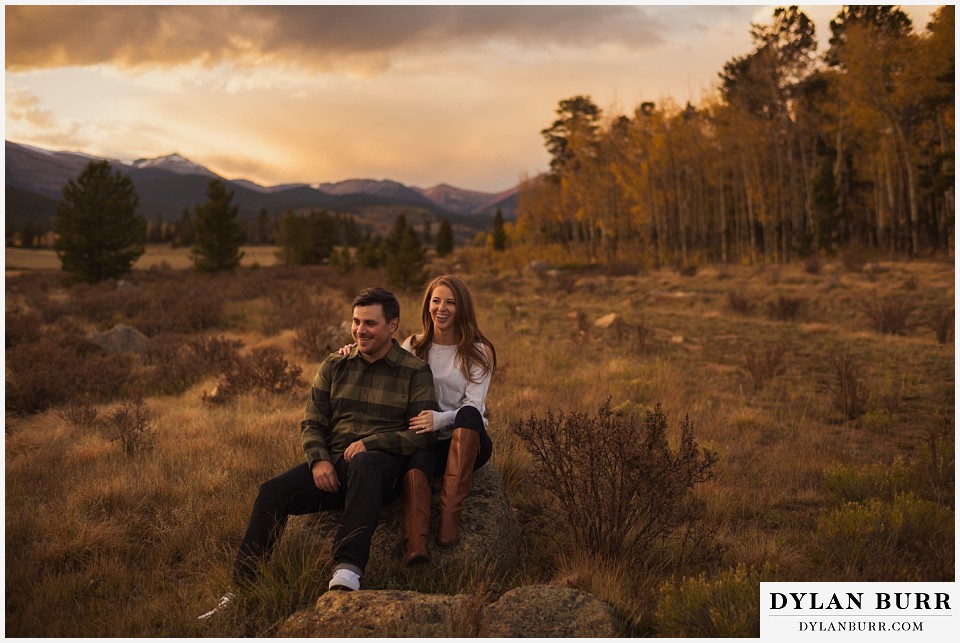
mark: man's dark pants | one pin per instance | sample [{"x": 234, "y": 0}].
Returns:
[{"x": 370, "y": 478}]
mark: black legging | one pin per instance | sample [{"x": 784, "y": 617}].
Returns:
[{"x": 433, "y": 462}]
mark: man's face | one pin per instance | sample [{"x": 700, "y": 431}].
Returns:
[{"x": 372, "y": 331}]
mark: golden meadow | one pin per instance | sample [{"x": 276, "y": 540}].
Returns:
[{"x": 825, "y": 390}]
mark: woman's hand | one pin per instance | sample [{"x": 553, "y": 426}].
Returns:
[
  {"x": 422, "y": 423},
  {"x": 345, "y": 350}
]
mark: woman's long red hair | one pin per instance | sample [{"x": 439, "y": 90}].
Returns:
[{"x": 465, "y": 323}]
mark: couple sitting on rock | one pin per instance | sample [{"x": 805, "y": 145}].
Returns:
[{"x": 379, "y": 415}]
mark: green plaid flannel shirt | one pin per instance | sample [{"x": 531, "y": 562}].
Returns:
[{"x": 353, "y": 400}]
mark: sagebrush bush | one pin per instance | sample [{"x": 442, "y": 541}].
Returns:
[
  {"x": 785, "y": 308},
  {"x": 763, "y": 365},
  {"x": 888, "y": 315},
  {"x": 619, "y": 487},
  {"x": 848, "y": 391},
  {"x": 54, "y": 370},
  {"x": 739, "y": 302},
  {"x": 80, "y": 413},
  {"x": 265, "y": 369},
  {"x": 725, "y": 606},
  {"x": 860, "y": 484},
  {"x": 21, "y": 328},
  {"x": 180, "y": 361},
  {"x": 906, "y": 539},
  {"x": 129, "y": 426},
  {"x": 321, "y": 332},
  {"x": 168, "y": 304}
]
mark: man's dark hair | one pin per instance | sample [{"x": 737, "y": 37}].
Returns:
[{"x": 386, "y": 299}]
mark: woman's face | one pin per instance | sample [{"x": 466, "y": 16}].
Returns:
[{"x": 443, "y": 309}]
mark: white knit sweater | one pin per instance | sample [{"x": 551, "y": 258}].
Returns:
[{"x": 454, "y": 391}]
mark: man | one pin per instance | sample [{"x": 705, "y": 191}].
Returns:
[{"x": 355, "y": 439}]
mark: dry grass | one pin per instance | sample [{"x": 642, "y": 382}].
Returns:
[{"x": 138, "y": 544}]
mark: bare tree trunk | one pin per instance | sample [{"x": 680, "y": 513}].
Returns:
[
  {"x": 750, "y": 212},
  {"x": 903, "y": 142}
]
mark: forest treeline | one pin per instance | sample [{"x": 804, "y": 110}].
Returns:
[{"x": 797, "y": 154}]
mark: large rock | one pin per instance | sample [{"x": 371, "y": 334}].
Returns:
[
  {"x": 548, "y": 611},
  {"x": 533, "y": 611},
  {"x": 121, "y": 339},
  {"x": 489, "y": 534},
  {"x": 386, "y": 613}
]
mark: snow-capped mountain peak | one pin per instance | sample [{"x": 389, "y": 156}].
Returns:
[{"x": 173, "y": 163}]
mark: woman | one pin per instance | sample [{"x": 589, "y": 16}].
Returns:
[{"x": 462, "y": 360}]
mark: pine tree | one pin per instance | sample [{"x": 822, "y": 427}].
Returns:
[
  {"x": 217, "y": 234},
  {"x": 406, "y": 262},
  {"x": 99, "y": 234},
  {"x": 444, "y": 238},
  {"x": 499, "y": 232}
]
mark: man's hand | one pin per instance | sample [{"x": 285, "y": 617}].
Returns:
[
  {"x": 354, "y": 449},
  {"x": 325, "y": 476}
]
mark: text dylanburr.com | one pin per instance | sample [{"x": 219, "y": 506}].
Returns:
[{"x": 861, "y": 611}]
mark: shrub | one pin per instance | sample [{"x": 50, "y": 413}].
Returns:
[
  {"x": 621, "y": 268},
  {"x": 618, "y": 486},
  {"x": 739, "y": 302},
  {"x": 21, "y": 327},
  {"x": 936, "y": 471},
  {"x": 859, "y": 484},
  {"x": 179, "y": 362},
  {"x": 216, "y": 352},
  {"x": 128, "y": 424},
  {"x": 785, "y": 308},
  {"x": 888, "y": 315},
  {"x": 54, "y": 370},
  {"x": 812, "y": 265},
  {"x": 906, "y": 539},
  {"x": 80, "y": 413},
  {"x": 764, "y": 365},
  {"x": 726, "y": 606},
  {"x": 265, "y": 369},
  {"x": 317, "y": 338},
  {"x": 848, "y": 391}
]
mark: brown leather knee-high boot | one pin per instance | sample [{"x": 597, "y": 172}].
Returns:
[
  {"x": 464, "y": 444},
  {"x": 416, "y": 517}
]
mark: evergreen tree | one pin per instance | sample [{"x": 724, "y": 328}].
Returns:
[
  {"x": 100, "y": 235},
  {"x": 444, "y": 238},
  {"x": 342, "y": 260},
  {"x": 218, "y": 235},
  {"x": 406, "y": 262},
  {"x": 287, "y": 236},
  {"x": 370, "y": 252},
  {"x": 306, "y": 239},
  {"x": 499, "y": 232}
]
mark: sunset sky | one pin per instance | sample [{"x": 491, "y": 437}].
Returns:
[{"x": 418, "y": 94}]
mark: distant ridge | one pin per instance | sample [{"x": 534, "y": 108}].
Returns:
[{"x": 169, "y": 184}]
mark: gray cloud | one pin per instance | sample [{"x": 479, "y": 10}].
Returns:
[{"x": 311, "y": 36}]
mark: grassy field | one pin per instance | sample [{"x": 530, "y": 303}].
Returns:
[
  {"x": 834, "y": 441},
  {"x": 18, "y": 260}
]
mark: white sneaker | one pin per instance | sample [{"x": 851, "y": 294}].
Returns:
[
  {"x": 224, "y": 603},
  {"x": 345, "y": 580}
]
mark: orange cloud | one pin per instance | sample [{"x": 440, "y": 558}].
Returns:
[{"x": 309, "y": 36}]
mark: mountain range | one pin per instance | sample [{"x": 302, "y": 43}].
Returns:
[{"x": 169, "y": 184}]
